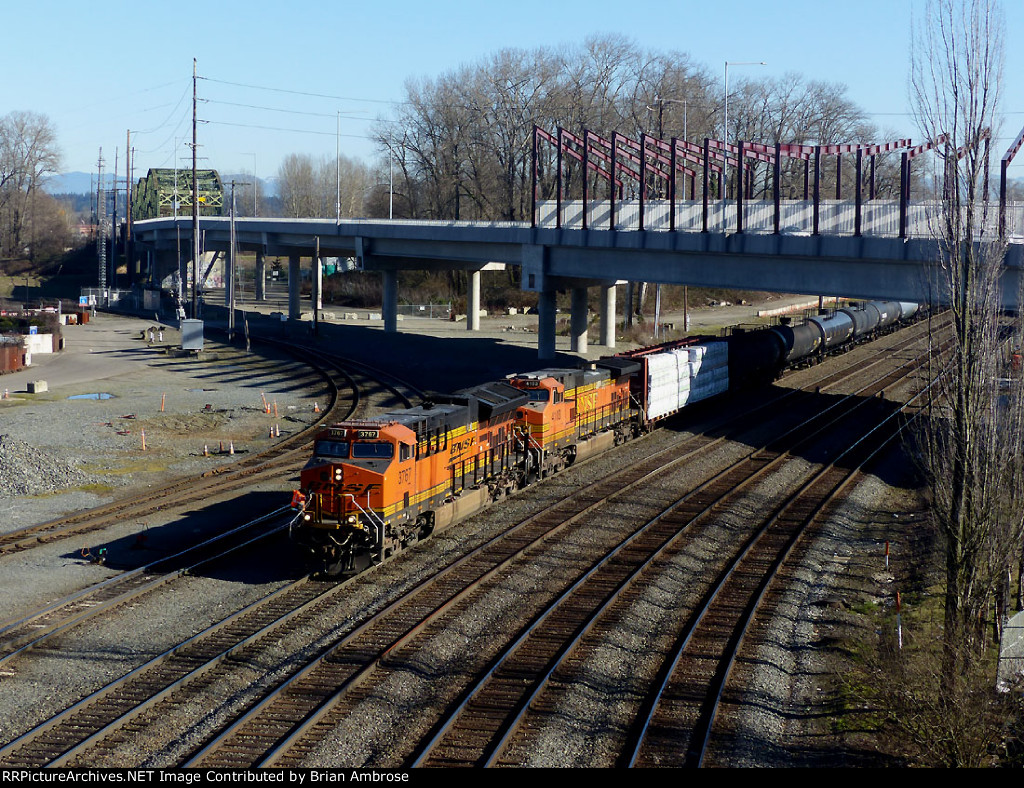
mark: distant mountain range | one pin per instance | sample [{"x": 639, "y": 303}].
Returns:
[{"x": 75, "y": 183}]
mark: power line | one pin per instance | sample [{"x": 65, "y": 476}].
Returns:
[
  {"x": 293, "y": 131},
  {"x": 286, "y": 111},
  {"x": 301, "y": 92}
]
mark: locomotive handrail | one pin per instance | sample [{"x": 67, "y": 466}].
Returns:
[{"x": 372, "y": 518}]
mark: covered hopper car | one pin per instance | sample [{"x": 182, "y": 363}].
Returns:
[{"x": 375, "y": 487}]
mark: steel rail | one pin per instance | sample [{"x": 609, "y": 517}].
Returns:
[{"x": 721, "y": 481}]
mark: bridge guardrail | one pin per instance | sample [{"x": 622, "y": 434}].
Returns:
[{"x": 879, "y": 218}]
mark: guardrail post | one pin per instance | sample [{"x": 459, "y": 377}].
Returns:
[
  {"x": 904, "y": 188},
  {"x": 778, "y": 186},
  {"x": 533, "y": 180},
  {"x": 672, "y": 187},
  {"x": 611, "y": 184},
  {"x": 817, "y": 186},
  {"x": 705, "y": 184},
  {"x": 856, "y": 194},
  {"x": 586, "y": 173},
  {"x": 739, "y": 187},
  {"x": 1002, "y": 198},
  {"x": 643, "y": 177},
  {"x": 558, "y": 182}
]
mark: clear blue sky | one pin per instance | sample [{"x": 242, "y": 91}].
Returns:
[{"x": 100, "y": 69}]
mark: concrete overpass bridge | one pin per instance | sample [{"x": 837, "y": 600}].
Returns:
[
  {"x": 553, "y": 259},
  {"x": 641, "y": 227}
]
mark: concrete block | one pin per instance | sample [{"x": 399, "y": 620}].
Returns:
[{"x": 37, "y": 387}]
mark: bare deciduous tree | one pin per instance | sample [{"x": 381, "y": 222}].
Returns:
[
  {"x": 28, "y": 154},
  {"x": 973, "y": 442},
  {"x": 322, "y": 188}
]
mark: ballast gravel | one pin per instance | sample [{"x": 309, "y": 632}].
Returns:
[
  {"x": 24, "y": 470},
  {"x": 594, "y": 707}
]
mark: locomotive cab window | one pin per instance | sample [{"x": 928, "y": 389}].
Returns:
[
  {"x": 404, "y": 452},
  {"x": 372, "y": 451},
  {"x": 331, "y": 449}
]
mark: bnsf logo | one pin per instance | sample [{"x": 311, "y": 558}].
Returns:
[
  {"x": 348, "y": 489},
  {"x": 461, "y": 446}
]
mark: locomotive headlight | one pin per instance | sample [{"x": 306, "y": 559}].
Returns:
[
  {"x": 351, "y": 519},
  {"x": 307, "y": 517},
  {"x": 337, "y": 474}
]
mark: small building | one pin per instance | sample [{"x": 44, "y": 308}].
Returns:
[{"x": 12, "y": 353}]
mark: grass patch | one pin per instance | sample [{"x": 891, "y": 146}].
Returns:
[
  {"x": 125, "y": 469},
  {"x": 865, "y": 608},
  {"x": 96, "y": 489}
]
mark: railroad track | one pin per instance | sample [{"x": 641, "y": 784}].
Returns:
[
  {"x": 681, "y": 712},
  {"x": 275, "y": 460},
  {"x": 346, "y": 380},
  {"x": 21, "y": 634},
  {"x": 286, "y": 727},
  {"x": 374, "y": 639},
  {"x": 27, "y": 631},
  {"x": 495, "y": 716}
]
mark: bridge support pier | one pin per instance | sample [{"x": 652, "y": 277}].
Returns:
[
  {"x": 261, "y": 275},
  {"x": 546, "y": 325},
  {"x": 578, "y": 321},
  {"x": 294, "y": 281},
  {"x": 473, "y": 302},
  {"x": 608, "y": 316},
  {"x": 390, "y": 305}
]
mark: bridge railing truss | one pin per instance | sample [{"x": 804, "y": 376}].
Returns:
[{"x": 642, "y": 185}]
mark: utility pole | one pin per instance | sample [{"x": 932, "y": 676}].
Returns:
[
  {"x": 101, "y": 220},
  {"x": 232, "y": 260},
  {"x": 127, "y": 205},
  {"x": 113, "y": 224},
  {"x": 337, "y": 159},
  {"x": 195, "y": 205}
]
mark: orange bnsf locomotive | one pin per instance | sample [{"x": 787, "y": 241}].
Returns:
[{"x": 377, "y": 486}]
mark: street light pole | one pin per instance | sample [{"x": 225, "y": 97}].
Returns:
[{"x": 725, "y": 126}]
